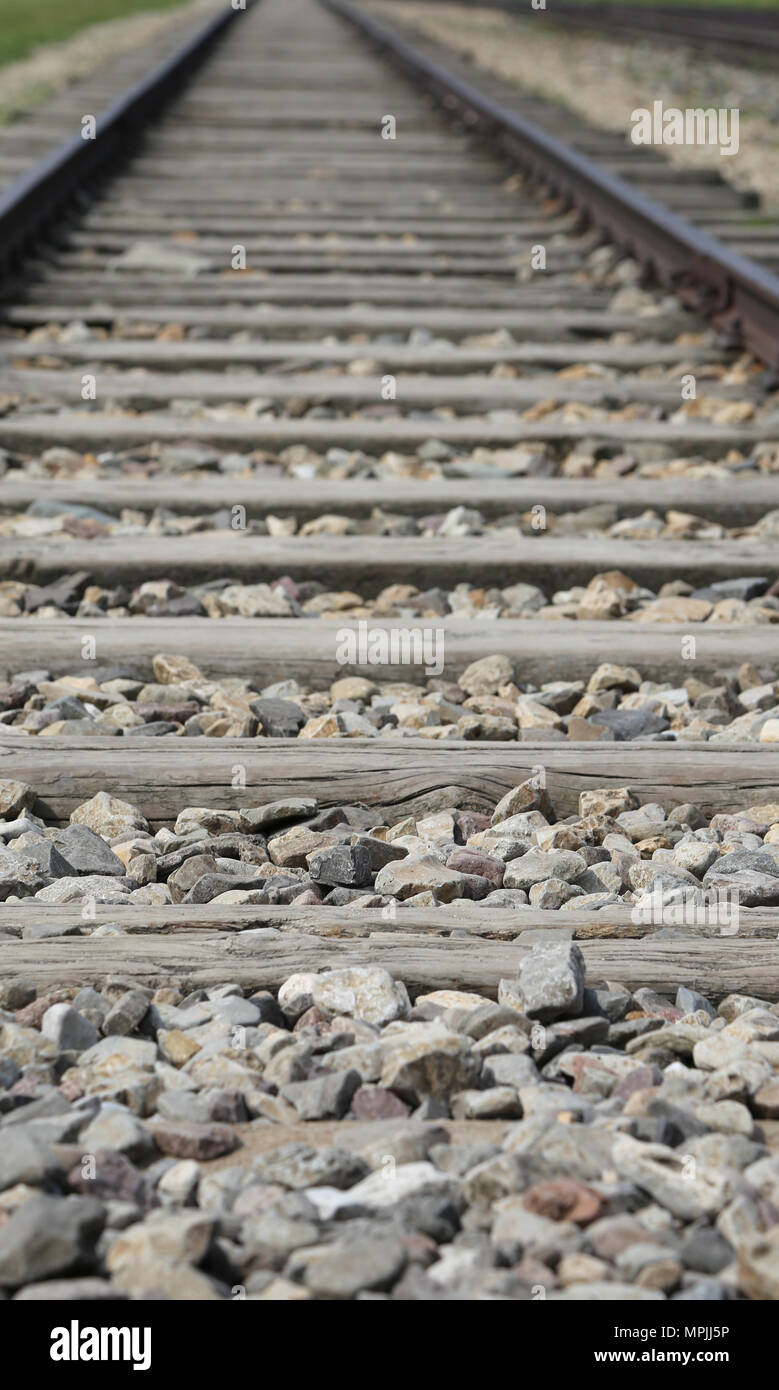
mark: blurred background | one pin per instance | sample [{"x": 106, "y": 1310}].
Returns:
[{"x": 22, "y": 27}]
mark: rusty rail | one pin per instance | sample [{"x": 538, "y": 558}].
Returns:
[
  {"x": 29, "y": 205},
  {"x": 739, "y": 295}
]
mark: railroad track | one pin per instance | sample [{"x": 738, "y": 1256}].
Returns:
[
  {"x": 721, "y": 29},
  {"x": 461, "y": 575},
  {"x": 748, "y": 32}
]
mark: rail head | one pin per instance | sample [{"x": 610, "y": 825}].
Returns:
[
  {"x": 30, "y": 203},
  {"x": 738, "y": 294}
]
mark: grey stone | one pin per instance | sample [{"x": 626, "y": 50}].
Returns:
[
  {"x": 760, "y": 861},
  {"x": 706, "y": 1250},
  {"x": 117, "y": 1053},
  {"x": 323, "y": 1097},
  {"x": 68, "y": 1029},
  {"x": 537, "y": 865},
  {"x": 506, "y": 898},
  {"x": 631, "y": 723},
  {"x": 15, "y": 798},
  {"x": 48, "y": 1236},
  {"x": 552, "y": 893},
  {"x": 279, "y": 718},
  {"x": 185, "y": 875},
  {"x": 24, "y": 1159},
  {"x": 550, "y": 981},
  {"x": 348, "y": 866},
  {"x": 277, "y": 812},
  {"x": 102, "y": 888},
  {"x": 754, "y": 877},
  {"x": 209, "y": 886},
  {"x": 49, "y": 1102},
  {"x": 51, "y": 862},
  {"x": 745, "y": 589},
  {"x": 510, "y": 1069},
  {"x": 660, "y": 1171},
  {"x": 238, "y": 1012},
  {"x": 690, "y": 1002},
  {"x": 614, "y": 1003},
  {"x": 20, "y": 875},
  {"x": 126, "y": 1014},
  {"x": 381, "y": 851},
  {"x": 487, "y": 1018},
  {"x": 301, "y": 1166},
  {"x": 9, "y": 1072},
  {"x": 87, "y": 851},
  {"x": 351, "y": 1266},
  {"x": 116, "y": 1128},
  {"x": 89, "y": 999}
]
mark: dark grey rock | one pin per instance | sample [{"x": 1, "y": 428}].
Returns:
[
  {"x": 346, "y": 866},
  {"x": 64, "y": 593},
  {"x": 184, "y": 606},
  {"x": 126, "y": 1014},
  {"x": 154, "y": 729},
  {"x": 613, "y": 1003},
  {"x": 631, "y": 723},
  {"x": 9, "y": 1072},
  {"x": 269, "y": 1009},
  {"x": 275, "y": 813},
  {"x": 86, "y": 851},
  {"x": 50, "y": 859},
  {"x": 209, "y": 886},
  {"x": 381, "y": 851},
  {"x": 706, "y": 1249},
  {"x": 690, "y": 1002},
  {"x": 746, "y": 589},
  {"x": 338, "y": 897},
  {"x": 48, "y": 1236},
  {"x": 279, "y": 718},
  {"x": 323, "y": 1097}
]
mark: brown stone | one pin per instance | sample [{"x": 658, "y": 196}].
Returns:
[
  {"x": 376, "y": 1103},
  {"x": 112, "y": 1178},
  {"x": 470, "y": 861},
  {"x": 563, "y": 1199},
  {"x": 195, "y": 1141}
]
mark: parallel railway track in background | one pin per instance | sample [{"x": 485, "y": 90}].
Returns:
[
  {"x": 387, "y": 397},
  {"x": 723, "y": 30},
  {"x": 748, "y": 33}
]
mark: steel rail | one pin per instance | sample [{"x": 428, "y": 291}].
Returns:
[
  {"x": 31, "y": 202},
  {"x": 756, "y": 31},
  {"x": 740, "y": 296}
]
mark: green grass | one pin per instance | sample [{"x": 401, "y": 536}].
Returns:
[{"x": 25, "y": 24}]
